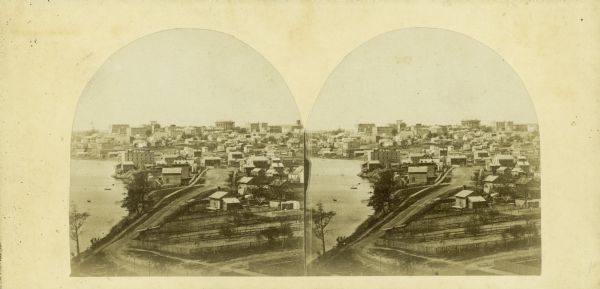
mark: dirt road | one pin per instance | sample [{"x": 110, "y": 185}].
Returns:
[
  {"x": 114, "y": 251},
  {"x": 362, "y": 248}
]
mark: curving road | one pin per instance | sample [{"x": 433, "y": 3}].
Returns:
[
  {"x": 365, "y": 243},
  {"x": 114, "y": 250}
]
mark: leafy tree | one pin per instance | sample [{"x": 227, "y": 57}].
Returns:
[
  {"x": 76, "y": 221},
  {"x": 285, "y": 231},
  {"x": 271, "y": 233},
  {"x": 491, "y": 215},
  {"x": 340, "y": 241},
  {"x": 226, "y": 231},
  {"x": 473, "y": 227},
  {"x": 516, "y": 231},
  {"x": 238, "y": 218},
  {"x": 137, "y": 191},
  {"x": 259, "y": 237},
  {"x": 321, "y": 219},
  {"x": 382, "y": 189}
]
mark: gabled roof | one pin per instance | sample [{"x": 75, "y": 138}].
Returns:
[
  {"x": 278, "y": 183},
  {"x": 218, "y": 195},
  {"x": 463, "y": 194},
  {"x": 298, "y": 170},
  {"x": 212, "y": 158},
  {"x": 231, "y": 200},
  {"x": 457, "y": 157},
  {"x": 417, "y": 170},
  {"x": 259, "y": 159},
  {"x": 171, "y": 171},
  {"x": 504, "y": 157},
  {"x": 490, "y": 179},
  {"x": 523, "y": 181},
  {"x": 245, "y": 180},
  {"x": 474, "y": 199}
]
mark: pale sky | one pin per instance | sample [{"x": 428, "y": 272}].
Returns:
[
  {"x": 421, "y": 75},
  {"x": 185, "y": 77}
]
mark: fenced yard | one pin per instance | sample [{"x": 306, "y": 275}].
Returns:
[
  {"x": 221, "y": 250},
  {"x": 454, "y": 233}
]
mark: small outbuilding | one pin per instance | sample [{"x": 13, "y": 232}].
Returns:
[
  {"x": 417, "y": 175},
  {"x": 229, "y": 204},
  {"x": 476, "y": 202},
  {"x": 468, "y": 199},
  {"x": 216, "y": 200}
]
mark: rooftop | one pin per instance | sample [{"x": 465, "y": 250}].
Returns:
[
  {"x": 417, "y": 170},
  {"x": 245, "y": 180},
  {"x": 172, "y": 171},
  {"x": 490, "y": 179},
  {"x": 463, "y": 194},
  {"x": 473, "y": 199},
  {"x": 218, "y": 195},
  {"x": 231, "y": 200}
]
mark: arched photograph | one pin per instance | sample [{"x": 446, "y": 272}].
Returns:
[
  {"x": 424, "y": 160},
  {"x": 187, "y": 159}
]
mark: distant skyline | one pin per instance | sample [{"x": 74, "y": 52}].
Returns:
[
  {"x": 185, "y": 77},
  {"x": 167, "y": 124},
  {"x": 421, "y": 75},
  {"x": 353, "y": 127}
]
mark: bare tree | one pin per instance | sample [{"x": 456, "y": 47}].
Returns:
[
  {"x": 76, "y": 221},
  {"x": 321, "y": 219}
]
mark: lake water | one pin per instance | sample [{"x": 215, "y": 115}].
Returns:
[
  {"x": 330, "y": 183},
  {"x": 90, "y": 180}
]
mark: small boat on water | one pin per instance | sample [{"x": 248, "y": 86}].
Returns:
[
  {"x": 353, "y": 187},
  {"x": 89, "y": 201},
  {"x": 335, "y": 200},
  {"x": 107, "y": 189}
]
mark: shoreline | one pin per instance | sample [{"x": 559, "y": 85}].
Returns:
[
  {"x": 92, "y": 196},
  {"x": 348, "y": 197}
]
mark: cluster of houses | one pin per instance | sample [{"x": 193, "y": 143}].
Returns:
[
  {"x": 261, "y": 180},
  {"x": 173, "y": 155},
  {"x": 469, "y": 139},
  {"x": 507, "y": 153}
]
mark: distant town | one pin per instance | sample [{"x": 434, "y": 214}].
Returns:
[
  {"x": 448, "y": 199},
  {"x": 224, "y": 199},
  {"x": 218, "y": 193}
]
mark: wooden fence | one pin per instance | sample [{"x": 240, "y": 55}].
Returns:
[
  {"x": 197, "y": 250},
  {"x": 446, "y": 235},
  {"x": 453, "y": 249},
  {"x": 215, "y": 234}
]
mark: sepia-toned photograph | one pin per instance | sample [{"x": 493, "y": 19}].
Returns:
[
  {"x": 299, "y": 144},
  {"x": 424, "y": 160},
  {"x": 178, "y": 168},
  {"x": 187, "y": 158}
]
